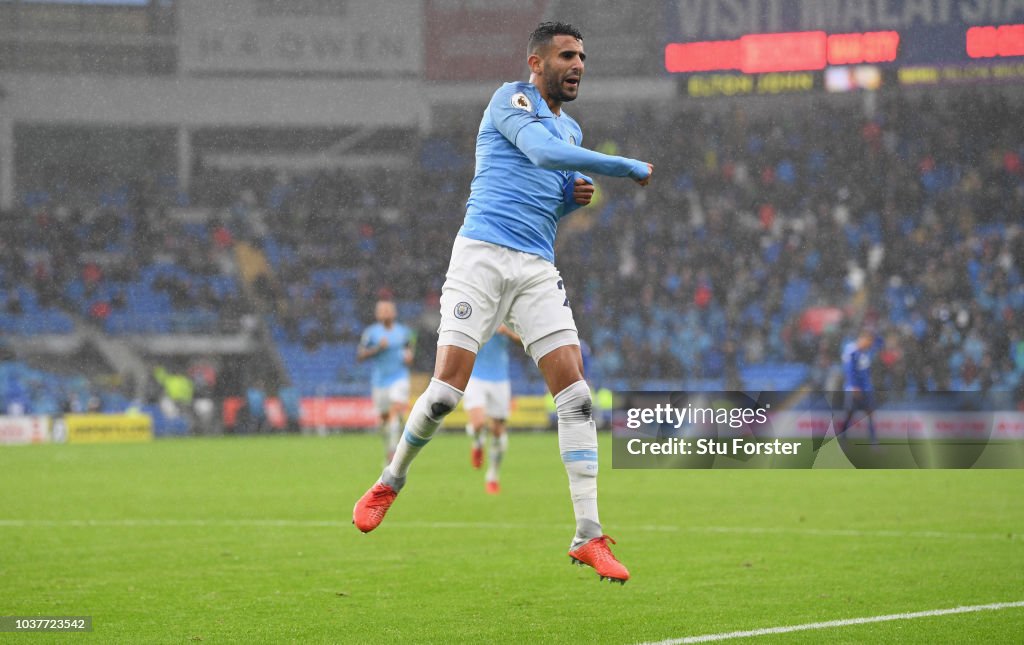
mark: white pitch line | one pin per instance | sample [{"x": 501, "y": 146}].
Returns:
[
  {"x": 707, "y": 638},
  {"x": 882, "y": 533},
  {"x": 399, "y": 524}
]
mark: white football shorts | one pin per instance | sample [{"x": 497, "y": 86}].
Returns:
[
  {"x": 495, "y": 397},
  {"x": 488, "y": 284},
  {"x": 385, "y": 397}
]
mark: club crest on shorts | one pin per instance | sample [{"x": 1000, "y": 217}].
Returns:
[
  {"x": 520, "y": 102},
  {"x": 463, "y": 310}
]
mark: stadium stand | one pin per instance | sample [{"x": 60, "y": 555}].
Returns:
[
  {"x": 773, "y": 230},
  {"x": 842, "y": 211}
]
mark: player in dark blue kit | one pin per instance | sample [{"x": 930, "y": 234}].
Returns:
[
  {"x": 529, "y": 174},
  {"x": 860, "y": 395}
]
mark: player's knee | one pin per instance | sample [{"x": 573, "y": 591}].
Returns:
[
  {"x": 439, "y": 409},
  {"x": 573, "y": 404},
  {"x": 440, "y": 399}
]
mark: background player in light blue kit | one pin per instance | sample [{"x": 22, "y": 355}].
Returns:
[
  {"x": 488, "y": 402},
  {"x": 388, "y": 344},
  {"x": 529, "y": 174}
]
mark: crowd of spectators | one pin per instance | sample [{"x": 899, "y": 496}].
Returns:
[
  {"x": 917, "y": 207},
  {"x": 907, "y": 220},
  {"x": 25, "y": 390},
  {"x": 122, "y": 263},
  {"x": 338, "y": 240},
  {"x": 903, "y": 218}
]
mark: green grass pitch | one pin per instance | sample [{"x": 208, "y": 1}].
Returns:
[{"x": 249, "y": 540}]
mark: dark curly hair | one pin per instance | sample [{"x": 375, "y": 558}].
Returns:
[{"x": 545, "y": 31}]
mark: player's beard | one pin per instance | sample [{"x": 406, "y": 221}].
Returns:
[{"x": 557, "y": 91}]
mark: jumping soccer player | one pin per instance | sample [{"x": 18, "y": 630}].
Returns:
[
  {"x": 859, "y": 391},
  {"x": 529, "y": 167},
  {"x": 388, "y": 343},
  {"x": 488, "y": 401}
]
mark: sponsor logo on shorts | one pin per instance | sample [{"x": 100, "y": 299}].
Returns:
[{"x": 463, "y": 310}]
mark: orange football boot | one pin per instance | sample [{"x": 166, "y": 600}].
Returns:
[
  {"x": 595, "y": 553},
  {"x": 369, "y": 511}
]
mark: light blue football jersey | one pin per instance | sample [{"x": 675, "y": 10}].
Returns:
[
  {"x": 389, "y": 365},
  {"x": 492, "y": 360},
  {"x": 512, "y": 202}
]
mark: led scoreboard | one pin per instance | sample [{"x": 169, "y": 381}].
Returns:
[
  {"x": 787, "y": 52},
  {"x": 776, "y": 46}
]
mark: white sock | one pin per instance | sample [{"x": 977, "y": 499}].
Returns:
[
  {"x": 476, "y": 434},
  {"x": 577, "y": 443},
  {"x": 498, "y": 447},
  {"x": 396, "y": 429},
  {"x": 392, "y": 432},
  {"x": 429, "y": 410},
  {"x": 385, "y": 441}
]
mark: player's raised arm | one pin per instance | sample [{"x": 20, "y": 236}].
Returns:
[
  {"x": 514, "y": 116},
  {"x": 551, "y": 153}
]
